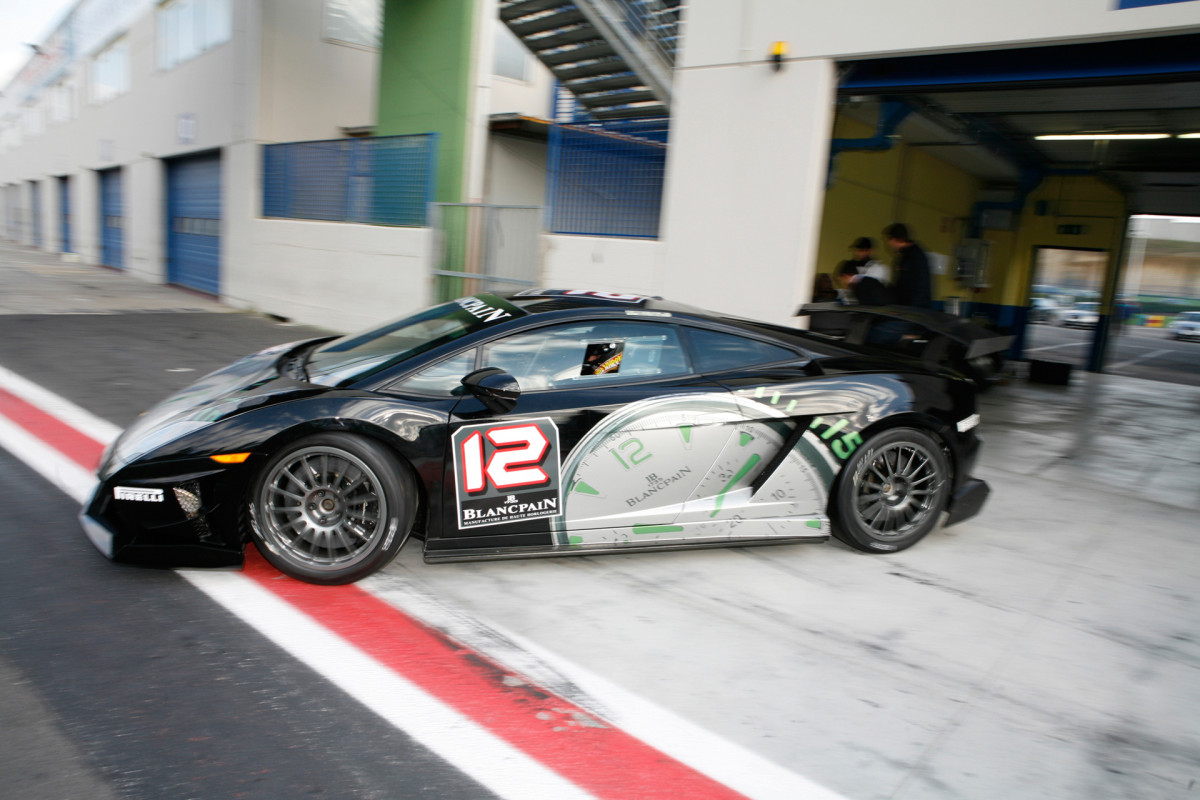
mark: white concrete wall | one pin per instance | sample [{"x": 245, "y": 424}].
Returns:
[
  {"x": 745, "y": 186},
  {"x": 516, "y": 171},
  {"x": 602, "y": 263},
  {"x": 310, "y": 87},
  {"x": 336, "y": 275}
]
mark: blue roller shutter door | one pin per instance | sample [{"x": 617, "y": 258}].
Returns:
[
  {"x": 194, "y": 222},
  {"x": 35, "y": 202},
  {"x": 112, "y": 220},
  {"x": 64, "y": 207}
]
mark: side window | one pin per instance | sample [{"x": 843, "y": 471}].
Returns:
[
  {"x": 717, "y": 352},
  {"x": 441, "y": 378},
  {"x": 588, "y": 353}
]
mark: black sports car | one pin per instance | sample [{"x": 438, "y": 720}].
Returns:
[{"x": 546, "y": 423}]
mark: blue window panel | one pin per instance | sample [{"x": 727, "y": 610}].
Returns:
[
  {"x": 112, "y": 220},
  {"x": 194, "y": 222},
  {"x": 35, "y": 211},
  {"x": 384, "y": 180},
  {"x": 606, "y": 179}
]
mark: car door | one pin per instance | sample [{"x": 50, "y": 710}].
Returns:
[{"x": 582, "y": 458}]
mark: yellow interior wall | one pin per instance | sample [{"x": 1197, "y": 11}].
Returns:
[
  {"x": 903, "y": 184},
  {"x": 1070, "y": 200},
  {"x": 873, "y": 189}
]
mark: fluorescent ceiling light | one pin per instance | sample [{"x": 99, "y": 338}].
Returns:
[
  {"x": 1188, "y": 136},
  {"x": 1096, "y": 137}
]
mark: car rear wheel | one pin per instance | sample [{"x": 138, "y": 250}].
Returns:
[
  {"x": 892, "y": 491},
  {"x": 332, "y": 508}
]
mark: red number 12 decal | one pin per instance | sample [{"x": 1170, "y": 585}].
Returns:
[{"x": 519, "y": 450}]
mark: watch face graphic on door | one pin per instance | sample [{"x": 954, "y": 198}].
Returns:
[{"x": 683, "y": 468}]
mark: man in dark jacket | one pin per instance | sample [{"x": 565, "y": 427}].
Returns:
[{"x": 911, "y": 283}]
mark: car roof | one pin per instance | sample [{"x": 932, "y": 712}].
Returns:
[
  {"x": 542, "y": 301},
  {"x": 535, "y": 301}
]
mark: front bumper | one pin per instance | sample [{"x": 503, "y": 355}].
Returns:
[
  {"x": 168, "y": 517},
  {"x": 969, "y": 493},
  {"x": 967, "y": 501}
]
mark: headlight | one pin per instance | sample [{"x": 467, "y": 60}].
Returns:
[{"x": 136, "y": 443}]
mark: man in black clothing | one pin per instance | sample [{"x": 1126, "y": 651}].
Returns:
[
  {"x": 865, "y": 290},
  {"x": 911, "y": 283}
]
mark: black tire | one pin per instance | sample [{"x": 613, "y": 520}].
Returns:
[
  {"x": 891, "y": 492},
  {"x": 332, "y": 508}
]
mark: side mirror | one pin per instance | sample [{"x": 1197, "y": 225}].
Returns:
[{"x": 494, "y": 387}]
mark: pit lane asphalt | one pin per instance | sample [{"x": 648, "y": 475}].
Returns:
[{"x": 1045, "y": 649}]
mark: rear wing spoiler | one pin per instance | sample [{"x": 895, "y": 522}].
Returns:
[{"x": 851, "y": 323}]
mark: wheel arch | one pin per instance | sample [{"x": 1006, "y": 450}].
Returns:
[
  {"x": 939, "y": 430},
  {"x": 398, "y": 447}
]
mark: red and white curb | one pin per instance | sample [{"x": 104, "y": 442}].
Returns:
[{"x": 458, "y": 685}]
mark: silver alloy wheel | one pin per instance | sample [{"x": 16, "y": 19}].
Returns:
[
  {"x": 898, "y": 490},
  {"x": 323, "y": 508}
]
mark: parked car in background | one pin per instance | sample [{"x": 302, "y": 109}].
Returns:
[
  {"x": 1185, "y": 326},
  {"x": 1082, "y": 315},
  {"x": 1043, "y": 310}
]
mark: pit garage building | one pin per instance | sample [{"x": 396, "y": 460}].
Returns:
[{"x": 790, "y": 129}]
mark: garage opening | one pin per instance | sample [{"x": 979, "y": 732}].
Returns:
[
  {"x": 1064, "y": 306},
  {"x": 1046, "y": 153},
  {"x": 1159, "y": 338}
]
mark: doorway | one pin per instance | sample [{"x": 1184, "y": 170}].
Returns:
[{"x": 1065, "y": 304}]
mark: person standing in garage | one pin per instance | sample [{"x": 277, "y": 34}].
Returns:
[
  {"x": 911, "y": 285},
  {"x": 864, "y": 258}
]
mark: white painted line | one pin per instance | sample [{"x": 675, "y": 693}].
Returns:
[
  {"x": 497, "y": 765},
  {"x": 1143, "y": 357},
  {"x": 1057, "y": 346},
  {"x": 730, "y": 764},
  {"x": 52, "y": 465},
  {"x": 67, "y": 412}
]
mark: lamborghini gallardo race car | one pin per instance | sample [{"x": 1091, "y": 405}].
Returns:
[{"x": 547, "y": 423}]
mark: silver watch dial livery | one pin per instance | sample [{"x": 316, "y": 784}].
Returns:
[{"x": 690, "y": 467}]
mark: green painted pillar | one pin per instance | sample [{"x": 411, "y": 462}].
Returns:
[{"x": 425, "y": 81}]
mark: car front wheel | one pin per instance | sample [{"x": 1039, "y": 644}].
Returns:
[
  {"x": 332, "y": 508},
  {"x": 891, "y": 492}
]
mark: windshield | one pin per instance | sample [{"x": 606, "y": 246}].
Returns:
[{"x": 362, "y": 354}]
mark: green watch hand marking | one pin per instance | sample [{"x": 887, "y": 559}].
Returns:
[
  {"x": 657, "y": 528},
  {"x": 741, "y": 473}
]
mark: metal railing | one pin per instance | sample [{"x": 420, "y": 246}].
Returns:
[
  {"x": 480, "y": 247},
  {"x": 656, "y": 22},
  {"x": 384, "y": 180}
]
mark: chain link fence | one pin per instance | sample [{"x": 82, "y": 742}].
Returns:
[{"x": 607, "y": 179}]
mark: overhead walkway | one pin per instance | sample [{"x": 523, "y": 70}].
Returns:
[{"x": 614, "y": 56}]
